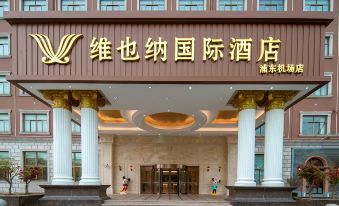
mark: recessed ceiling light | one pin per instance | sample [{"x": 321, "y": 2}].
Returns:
[
  {"x": 69, "y": 86},
  {"x": 110, "y": 87},
  {"x": 159, "y": 134},
  {"x": 31, "y": 87},
  {"x": 168, "y": 110},
  {"x": 190, "y": 87},
  {"x": 271, "y": 87},
  {"x": 149, "y": 87},
  {"x": 315, "y": 104},
  {"x": 306, "y": 88},
  {"x": 231, "y": 88}
]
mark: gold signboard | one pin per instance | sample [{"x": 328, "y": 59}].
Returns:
[{"x": 213, "y": 48}]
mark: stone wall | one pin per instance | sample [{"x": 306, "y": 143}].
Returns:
[{"x": 16, "y": 147}]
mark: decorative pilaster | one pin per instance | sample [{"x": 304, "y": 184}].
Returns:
[
  {"x": 106, "y": 161},
  {"x": 246, "y": 102},
  {"x": 274, "y": 130},
  {"x": 89, "y": 103},
  {"x": 62, "y": 136}
]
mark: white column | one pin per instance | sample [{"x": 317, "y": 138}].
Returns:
[
  {"x": 274, "y": 128},
  {"x": 62, "y": 147},
  {"x": 89, "y": 147},
  {"x": 246, "y": 148}
]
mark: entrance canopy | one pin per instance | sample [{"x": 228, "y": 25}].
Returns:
[{"x": 164, "y": 75}]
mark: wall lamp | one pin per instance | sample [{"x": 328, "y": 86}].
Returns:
[
  {"x": 131, "y": 167},
  {"x": 120, "y": 168},
  {"x": 208, "y": 168}
]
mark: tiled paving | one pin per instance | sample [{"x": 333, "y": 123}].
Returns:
[{"x": 171, "y": 199}]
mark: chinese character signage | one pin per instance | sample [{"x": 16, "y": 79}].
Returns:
[{"x": 156, "y": 50}]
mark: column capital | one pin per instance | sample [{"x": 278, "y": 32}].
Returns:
[
  {"x": 247, "y": 99},
  {"x": 277, "y": 99},
  {"x": 89, "y": 98},
  {"x": 60, "y": 98}
]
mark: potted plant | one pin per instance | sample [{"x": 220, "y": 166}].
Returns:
[
  {"x": 9, "y": 169},
  {"x": 333, "y": 177},
  {"x": 27, "y": 175},
  {"x": 313, "y": 175}
]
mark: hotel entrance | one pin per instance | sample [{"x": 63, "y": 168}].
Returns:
[{"x": 169, "y": 179}]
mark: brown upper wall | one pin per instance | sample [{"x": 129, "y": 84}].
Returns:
[{"x": 302, "y": 39}]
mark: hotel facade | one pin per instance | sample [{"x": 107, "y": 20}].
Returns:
[{"x": 169, "y": 93}]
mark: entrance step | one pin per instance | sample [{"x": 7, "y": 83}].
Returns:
[{"x": 166, "y": 200}]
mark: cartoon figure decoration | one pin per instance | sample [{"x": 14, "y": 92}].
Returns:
[
  {"x": 124, "y": 186},
  {"x": 214, "y": 185}
]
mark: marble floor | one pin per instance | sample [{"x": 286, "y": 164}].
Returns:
[{"x": 167, "y": 199}]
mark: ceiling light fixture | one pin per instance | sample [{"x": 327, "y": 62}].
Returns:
[
  {"x": 149, "y": 87},
  {"x": 231, "y": 88},
  {"x": 190, "y": 87},
  {"x": 271, "y": 88},
  {"x": 110, "y": 87}
]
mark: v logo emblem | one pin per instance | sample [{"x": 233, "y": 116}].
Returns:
[{"x": 60, "y": 57}]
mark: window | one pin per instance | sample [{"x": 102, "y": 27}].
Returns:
[
  {"x": 73, "y": 5},
  {"x": 76, "y": 166},
  {"x": 271, "y": 5},
  {"x": 5, "y": 123},
  {"x": 76, "y": 128},
  {"x": 326, "y": 90},
  {"x": 317, "y": 5},
  {"x": 4, "y": 6},
  {"x": 112, "y": 5},
  {"x": 37, "y": 159},
  {"x": 328, "y": 45},
  {"x": 259, "y": 168},
  {"x": 4, "y": 46},
  {"x": 5, "y": 88},
  {"x": 34, "y": 123},
  {"x": 4, "y": 156},
  {"x": 152, "y": 5},
  {"x": 191, "y": 5},
  {"x": 260, "y": 131},
  {"x": 315, "y": 124},
  {"x": 231, "y": 5},
  {"x": 34, "y": 5}
]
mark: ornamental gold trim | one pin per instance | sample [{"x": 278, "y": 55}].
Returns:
[
  {"x": 60, "y": 57},
  {"x": 89, "y": 99},
  {"x": 247, "y": 99},
  {"x": 278, "y": 99},
  {"x": 60, "y": 98}
]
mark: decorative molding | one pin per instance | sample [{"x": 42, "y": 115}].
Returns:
[
  {"x": 277, "y": 99},
  {"x": 248, "y": 99},
  {"x": 60, "y": 98},
  {"x": 89, "y": 98}
]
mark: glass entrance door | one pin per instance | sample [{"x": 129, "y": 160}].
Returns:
[
  {"x": 189, "y": 180},
  {"x": 169, "y": 181}
]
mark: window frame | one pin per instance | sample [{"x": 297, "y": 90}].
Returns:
[
  {"x": 73, "y": 166},
  {"x": 8, "y": 35},
  {"x": 60, "y": 6},
  {"x": 47, "y": 160},
  {"x": 330, "y": 46},
  {"x": 75, "y": 132},
  {"x": 22, "y": 94},
  {"x": 218, "y": 8},
  {"x": 177, "y": 7},
  {"x": 8, "y": 111},
  {"x": 330, "y": 9},
  {"x": 22, "y": 112},
  {"x": 329, "y": 87},
  {"x": 21, "y": 6},
  {"x": 6, "y": 73},
  {"x": 9, "y": 8},
  {"x": 285, "y": 7},
  {"x": 99, "y": 6},
  {"x": 322, "y": 113},
  {"x": 165, "y": 6}
]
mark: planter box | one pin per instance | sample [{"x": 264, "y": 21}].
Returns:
[
  {"x": 316, "y": 201},
  {"x": 21, "y": 199}
]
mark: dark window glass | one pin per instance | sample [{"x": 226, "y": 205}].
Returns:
[
  {"x": 271, "y": 5},
  {"x": 314, "y": 124},
  {"x": 34, "y": 5},
  {"x": 112, "y": 5},
  {"x": 259, "y": 168},
  {"x": 37, "y": 159},
  {"x": 317, "y": 5},
  {"x": 191, "y": 5}
]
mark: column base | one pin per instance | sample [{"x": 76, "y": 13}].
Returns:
[
  {"x": 273, "y": 182},
  {"x": 76, "y": 195},
  {"x": 261, "y": 196},
  {"x": 249, "y": 183},
  {"x": 90, "y": 181},
  {"x": 62, "y": 181}
]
